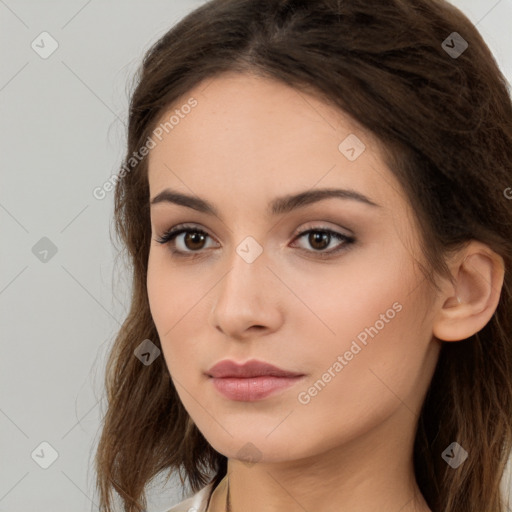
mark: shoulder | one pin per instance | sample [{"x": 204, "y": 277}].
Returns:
[{"x": 196, "y": 503}]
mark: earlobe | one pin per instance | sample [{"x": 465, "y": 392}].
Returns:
[{"x": 472, "y": 297}]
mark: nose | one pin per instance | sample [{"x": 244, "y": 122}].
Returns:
[{"x": 247, "y": 300}]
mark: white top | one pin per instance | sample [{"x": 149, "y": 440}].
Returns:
[{"x": 196, "y": 503}]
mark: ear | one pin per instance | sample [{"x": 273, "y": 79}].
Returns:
[{"x": 470, "y": 299}]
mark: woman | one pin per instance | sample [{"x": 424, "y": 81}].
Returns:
[{"x": 315, "y": 204}]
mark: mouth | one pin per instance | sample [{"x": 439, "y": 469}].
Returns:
[{"x": 251, "y": 381}]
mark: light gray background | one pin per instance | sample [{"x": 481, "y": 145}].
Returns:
[{"x": 63, "y": 126}]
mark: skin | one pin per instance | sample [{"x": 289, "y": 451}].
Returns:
[{"x": 349, "y": 448}]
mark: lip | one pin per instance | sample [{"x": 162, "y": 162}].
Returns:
[
  {"x": 252, "y": 368},
  {"x": 251, "y": 381}
]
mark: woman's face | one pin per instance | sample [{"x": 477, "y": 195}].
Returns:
[{"x": 348, "y": 314}]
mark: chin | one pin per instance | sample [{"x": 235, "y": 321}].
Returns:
[{"x": 254, "y": 445}]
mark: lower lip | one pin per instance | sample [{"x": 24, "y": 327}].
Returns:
[{"x": 251, "y": 389}]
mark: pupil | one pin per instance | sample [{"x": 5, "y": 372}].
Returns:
[
  {"x": 194, "y": 237},
  {"x": 319, "y": 237}
]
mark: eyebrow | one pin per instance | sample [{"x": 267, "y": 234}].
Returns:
[{"x": 278, "y": 206}]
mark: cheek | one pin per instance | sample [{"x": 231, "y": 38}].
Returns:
[
  {"x": 376, "y": 362},
  {"x": 354, "y": 386},
  {"x": 372, "y": 323},
  {"x": 161, "y": 302},
  {"x": 342, "y": 301},
  {"x": 170, "y": 292},
  {"x": 175, "y": 303}
]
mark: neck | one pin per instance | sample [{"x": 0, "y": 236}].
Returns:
[{"x": 360, "y": 476}]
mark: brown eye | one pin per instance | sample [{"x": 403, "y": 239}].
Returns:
[
  {"x": 319, "y": 239},
  {"x": 194, "y": 240}
]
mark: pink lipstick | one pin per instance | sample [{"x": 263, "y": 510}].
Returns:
[{"x": 251, "y": 381}]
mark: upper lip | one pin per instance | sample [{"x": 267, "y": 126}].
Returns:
[{"x": 253, "y": 368}]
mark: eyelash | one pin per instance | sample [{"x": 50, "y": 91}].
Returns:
[{"x": 172, "y": 233}]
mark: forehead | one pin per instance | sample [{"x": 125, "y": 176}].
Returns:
[{"x": 252, "y": 138}]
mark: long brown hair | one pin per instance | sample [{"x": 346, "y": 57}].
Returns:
[{"x": 443, "y": 114}]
